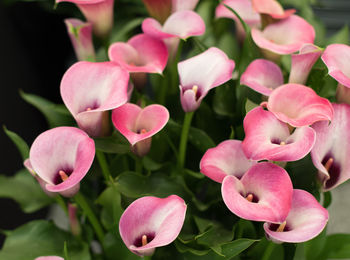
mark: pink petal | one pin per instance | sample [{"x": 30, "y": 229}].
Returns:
[
  {"x": 285, "y": 36},
  {"x": 302, "y": 63},
  {"x": 63, "y": 148},
  {"x": 225, "y": 159},
  {"x": 242, "y": 7},
  {"x": 263, "y": 141},
  {"x": 49, "y": 258},
  {"x": 181, "y": 24},
  {"x": 141, "y": 53},
  {"x": 306, "y": 219},
  {"x": 159, "y": 219},
  {"x": 336, "y": 57},
  {"x": 88, "y": 89},
  {"x": 97, "y": 12},
  {"x": 180, "y": 5},
  {"x": 80, "y": 34},
  {"x": 130, "y": 119},
  {"x": 299, "y": 105},
  {"x": 333, "y": 142},
  {"x": 272, "y": 8},
  {"x": 263, "y": 76},
  {"x": 272, "y": 190}
]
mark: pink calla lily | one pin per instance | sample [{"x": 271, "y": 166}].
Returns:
[
  {"x": 139, "y": 125},
  {"x": 306, "y": 219},
  {"x": 302, "y": 63},
  {"x": 285, "y": 36},
  {"x": 264, "y": 193},
  {"x": 80, "y": 34},
  {"x": 151, "y": 222},
  {"x": 201, "y": 73},
  {"x": 180, "y": 5},
  {"x": 271, "y": 139},
  {"x": 272, "y": 8},
  {"x": 225, "y": 159},
  {"x": 49, "y": 258},
  {"x": 61, "y": 157},
  {"x": 263, "y": 76},
  {"x": 299, "y": 105},
  {"x": 336, "y": 57},
  {"x": 332, "y": 146},
  {"x": 89, "y": 89},
  {"x": 98, "y": 12},
  {"x": 142, "y": 53}
]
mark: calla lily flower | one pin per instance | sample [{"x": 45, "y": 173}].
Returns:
[
  {"x": 284, "y": 37},
  {"x": 201, "y": 73},
  {"x": 90, "y": 89},
  {"x": 244, "y": 9},
  {"x": 98, "y": 12},
  {"x": 264, "y": 193},
  {"x": 272, "y": 8},
  {"x": 302, "y": 63},
  {"x": 299, "y": 105},
  {"x": 263, "y": 76},
  {"x": 271, "y": 139},
  {"x": 61, "y": 157},
  {"x": 225, "y": 159},
  {"x": 306, "y": 219},
  {"x": 142, "y": 53},
  {"x": 80, "y": 34},
  {"x": 151, "y": 222},
  {"x": 49, "y": 258},
  {"x": 139, "y": 125},
  {"x": 332, "y": 147}
]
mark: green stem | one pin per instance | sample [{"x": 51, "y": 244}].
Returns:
[
  {"x": 104, "y": 166},
  {"x": 138, "y": 165},
  {"x": 184, "y": 136},
  {"x": 269, "y": 249},
  {"x": 81, "y": 201},
  {"x": 60, "y": 201},
  {"x": 164, "y": 88}
]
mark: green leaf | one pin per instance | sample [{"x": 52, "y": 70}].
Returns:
[
  {"x": 337, "y": 246},
  {"x": 121, "y": 32},
  {"x": 235, "y": 247},
  {"x": 116, "y": 249},
  {"x": 182, "y": 248},
  {"x": 41, "y": 238},
  {"x": 313, "y": 248},
  {"x": 342, "y": 36},
  {"x": 223, "y": 101},
  {"x": 21, "y": 145},
  {"x": 150, "y": 165},
  {"x": 24, "y": 189},
  {"x": 115, "y": 143},
  {"x": 249, "y": 105},
  {"x": 56, "y": 115}
]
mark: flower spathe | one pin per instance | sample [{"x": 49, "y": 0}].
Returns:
[
  {"x": 139, "y": 125},
  {"x": 306, "y": 219},
  {"x": 90, "y": 89},
  {"x": 263, "y": 76},
  {"x": 225, "y": 159},
  {"x": 61, "y": 157},
  {"x": 142, "y": 53},
  {"x": 98, "y": 12},
  {"x": 272, "y": 8},
  {"x": 49, "y": 258},
  {"x": 264, "y": 193},
  {"x": 332, "y": 146},
  {"x": 201, "y": 73},
  {"x": 80, "y": 34},
  {"x": 271, "y": 139},
  {"x": 151, "y": 222},
  {"x": 299, "y": 105}
]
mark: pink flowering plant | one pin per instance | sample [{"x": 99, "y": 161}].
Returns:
[{"x": 188, "y": 130}]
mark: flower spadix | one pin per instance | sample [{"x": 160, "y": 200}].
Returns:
[
  {"x": 90, "y": 89},
  {"x": 61, "y": 157},
  {"x": 225, "y": 159},
  {"x": 306, "y": 219},
  {"x": 80, "y": 34},
  {"x": 264, "y": 193},
  {"x": 263, "y": 76},
  {"x": 139, "y": 125},
  {"x": 142, "y": 53},
  {"x": 330, "y": 154},
  {"x": 284, "y": 37},
  {"x": 299, "y": 105},
  {"x": 151, "y": 222},
  {"x": 201, "y": 73},
  {"x": 271, "y": 139},
  {"x": 98, "y": 12}
]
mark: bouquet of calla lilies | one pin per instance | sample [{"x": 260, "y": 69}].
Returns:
[{"x": 190, "y": 129}]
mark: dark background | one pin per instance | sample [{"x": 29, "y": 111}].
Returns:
[{"x": 34, "y": 53}]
